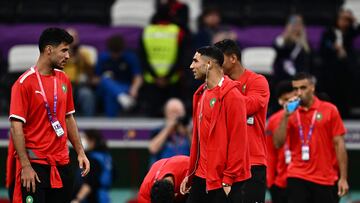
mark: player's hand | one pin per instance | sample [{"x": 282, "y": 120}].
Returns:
[
  {"x": 84, "y": 164},
  {"x": 227, "y": 190},
  {"x": 183, "y": 187},
  {"x": 343, "y": 187},
  {"x": 28, "y": 176}
]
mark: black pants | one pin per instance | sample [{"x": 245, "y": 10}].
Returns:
[
  {"x": 278, "y": 194},
  {"x": 255, "y": 188},
  {"x": 302, "y": 191},
  {"x": 44, "y": 193},
  {"x": 198, "y": 193}
]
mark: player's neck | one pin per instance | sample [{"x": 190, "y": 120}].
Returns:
[
  {"x": 309, "y": 103},
  {"x": 237, "y": 72},
  {"x": 44, "y": 67},
  {"x": 214, "y": 78}
]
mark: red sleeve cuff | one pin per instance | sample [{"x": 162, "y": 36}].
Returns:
[{"x": 228, "y": 180}]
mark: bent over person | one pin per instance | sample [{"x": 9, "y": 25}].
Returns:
[
  {"x": 219, "y": 154},
  {"x": 41, "y": 115}
]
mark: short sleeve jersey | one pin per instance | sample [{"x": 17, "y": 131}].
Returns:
[
  {"x": 27, "y": 104},
  {"x": 328, "y": 124}
]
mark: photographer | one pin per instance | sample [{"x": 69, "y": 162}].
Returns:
[{"x": 173, "y": 138}]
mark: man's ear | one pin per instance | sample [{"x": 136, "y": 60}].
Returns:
[
  {"x": 233, "y": 58},
  {"x": 48, "y": 49}
]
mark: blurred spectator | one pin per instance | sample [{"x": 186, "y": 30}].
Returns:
[
  {"x": 174, "y": 137},
  {"x": 80, "y": 69},
  {"x": 292, "y": 50},
  {"x": 5, "y": 86},
  {"x": 94, "y": 188},
  {"x": 210, "y": 29},
  {"x": 339, "y": 60},
  {"x": 120, "y": 74},
  {"x": 175, "y": 12},
  {"x": 162, "y": 54}
]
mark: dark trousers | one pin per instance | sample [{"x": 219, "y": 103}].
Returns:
[
  {"x": 255, "y": 187},
  {"x": 302, "y": 191},
  {"x": 198, "y": 193},
  {"x": 44, "y": 193},
  {"x": 278, "y": 194}
]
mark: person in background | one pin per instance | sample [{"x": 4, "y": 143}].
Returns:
[
  {"x": 255, "y": 89},
  {"x": 42, "y": 122},
  {"x": 162, "y": 182},
  {"x": 339, "y": 76},
  {"x": 210, "y": 29},
  {"x": 219, "y": 156},
  {"x": 316, "y": 138},
  {"x": 96, "y": 186},
  {"x": 80, "y": 70},
  {"x": 174, "y": 137},
  {"x": 292, "y": 50},
  {"x": 121, "y": 77},
  {"x": 278, "y": 159}
]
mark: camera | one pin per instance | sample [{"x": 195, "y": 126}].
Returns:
[{"x": 183, "y": 120}]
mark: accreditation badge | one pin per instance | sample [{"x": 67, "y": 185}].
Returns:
[
  {"x": 57, "y": 128},
  {"x": 305, "y": 153}
]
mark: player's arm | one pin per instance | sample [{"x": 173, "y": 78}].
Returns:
[
  {"x": 257, "y": 96},
  {"x": 280, "y": 132},
  {"x": 74, "y": 138},
  {"x": 342, "y": 159},
  {"x": 28, "y": 175}
]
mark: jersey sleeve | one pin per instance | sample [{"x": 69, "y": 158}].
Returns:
[
  {"x": 271, "y": 156},
  {"x": 337, "y": 126},
  {"x": 257, "y": 96},
  {"x": 19, "y": 103},
  {"x": 70, "y": 109}
]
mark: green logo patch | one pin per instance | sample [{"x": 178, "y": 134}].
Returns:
[
  {"x": 64, "y": 88},
  {"x": 212, "y": 102},
  {"x": 29, "y": 199}
]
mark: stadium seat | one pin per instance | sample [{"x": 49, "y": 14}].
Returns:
[
  {"x": 22, "y": 57},
  {"x": 258, "y": 59},
  {"x": 353, "y": 5},
  {"x": 132, "y": 12}
]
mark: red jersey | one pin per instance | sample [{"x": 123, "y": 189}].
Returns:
[
  {"x": 205, "y": 110},
  {"x": 276, "y": 165},
  {"x": 177, "y": 166},
  {"x": 327, "y": 124},
  {"x": 227, "y": 148},
  {"x": 256, "y": 90},
  {"x": 27, "y": 105}
]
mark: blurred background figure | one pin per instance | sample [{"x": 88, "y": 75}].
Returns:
[
  {"x": 339, "y": 61},
  {"x": 176, "y": 12},
  {"x": 174, "y": 137},
  {"x": 210, "y": 29},
  {"x": 278, "y": 159},
  {"x": 292, "y": 50},
  {"x": 95, "y": 187},
  {"x": 80, "y": 70},
  {"x": 120, "y": 77}
]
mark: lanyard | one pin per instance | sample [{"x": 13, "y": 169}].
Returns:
[
  {"x": 201, "y": 112},
  {"x": 47, "y": 107},
  {"x": 301, "y": 131}
]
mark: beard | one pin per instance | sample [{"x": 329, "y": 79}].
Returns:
[{"x": 56, "y": 66}]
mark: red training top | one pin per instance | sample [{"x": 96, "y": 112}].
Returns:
[
  {"x": 177, "y": 166},
  {"x": 328, "y": 124},
  {"x": 256, "y": 90}
]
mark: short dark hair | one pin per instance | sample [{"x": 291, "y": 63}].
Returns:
[
  {"x": 304, "y": 76},
  {"x": 115, "y": 44},
  {"x": 283, "y": 87},
  {"x": 54, "y": 36},
  {"x": 98, "y": 138},
  {"x": 162, "y": 192},
  {"x": 212, "y": 52},
  {"x": 228, "y": 47}
]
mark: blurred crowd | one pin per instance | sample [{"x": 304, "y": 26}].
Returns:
[{"x": 123, "y": 82}]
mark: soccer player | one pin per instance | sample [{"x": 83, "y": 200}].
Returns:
[
  {"x": 219, "y": 154},
  {"x": 162, "y": 182},
  {"x": 41, "y": 115},
  {"x": 278, "y": 159},
  {"x": 255, "y": 88},
  {"x": 316, "y": 137}
]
